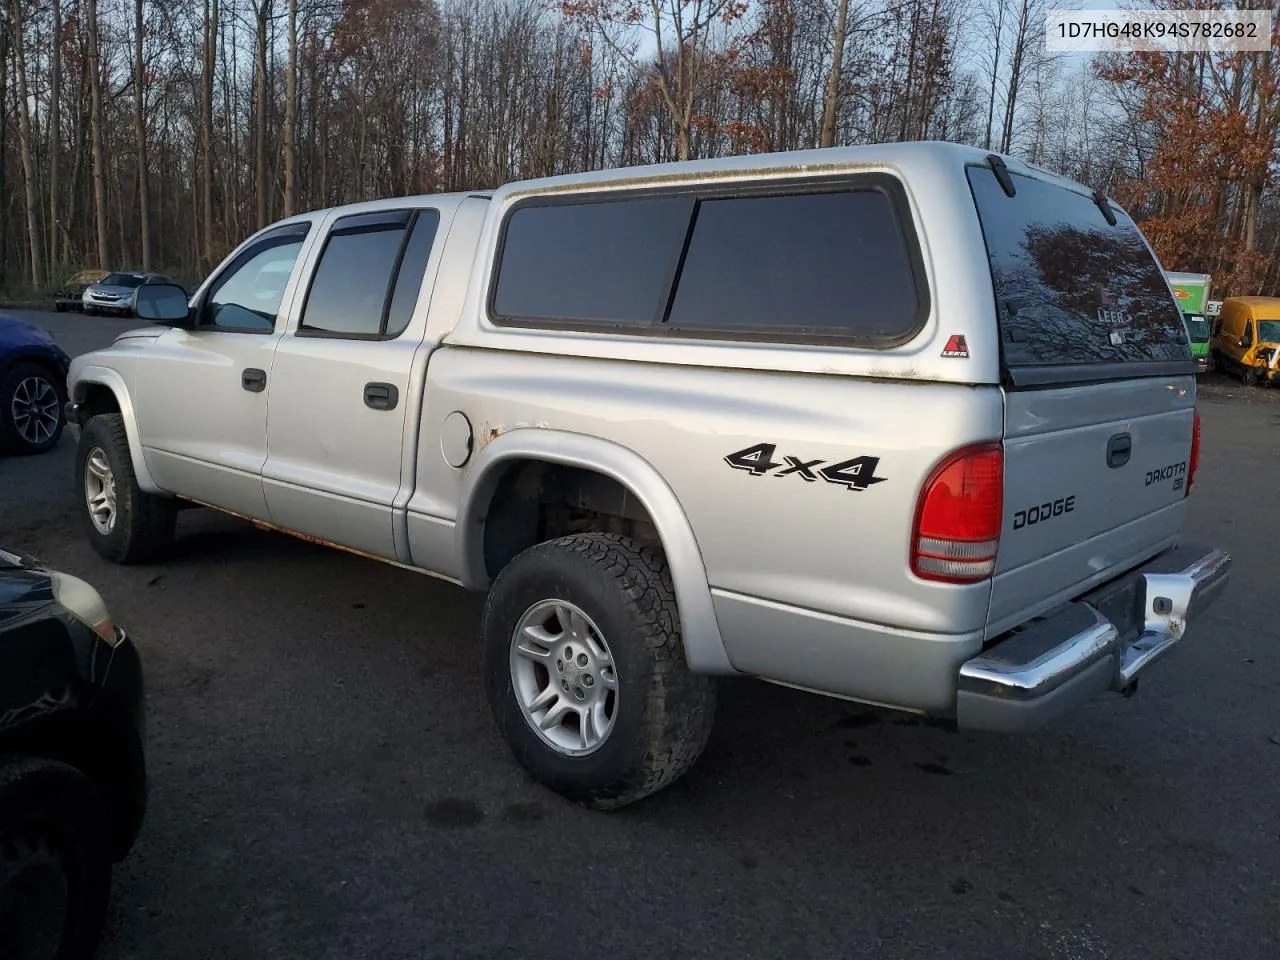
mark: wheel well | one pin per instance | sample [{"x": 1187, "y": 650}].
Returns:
[
  {"x": 98, "y": 399},
  {"x": 37, "y": 360},
  {"x": 535, "y": 501}
]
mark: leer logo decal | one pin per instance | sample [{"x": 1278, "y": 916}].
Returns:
[
  {"x": 957, "y": 346},
  {"x": 856, "y": 474}
]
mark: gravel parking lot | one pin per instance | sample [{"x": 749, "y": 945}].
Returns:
[{"x": 327, "y": 781}]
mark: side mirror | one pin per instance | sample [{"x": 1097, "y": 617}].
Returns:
[
  {"x": 164, "y": 303},
  {"x": 1242, "y": 342}
]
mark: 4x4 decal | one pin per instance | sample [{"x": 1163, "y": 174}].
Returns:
[{"x": 857, "y": 473}]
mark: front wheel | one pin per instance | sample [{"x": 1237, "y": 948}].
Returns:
[
  {"x": 31, "y": 403},
  {"x": 55, "y": 875},
  {"x": 1249, "y": 376},
  {"x": 586, "y": 672},
  {"x": 123, "y": 523}
]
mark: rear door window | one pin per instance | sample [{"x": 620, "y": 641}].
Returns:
[
  {"x": 370, "y": 272},
  {"x": 1071, "y": 290}
]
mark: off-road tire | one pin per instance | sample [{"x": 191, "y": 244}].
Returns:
[
  {"x": 665, "y": 712},
  {"x": 53, "y": 829},
  {"x": 11, "y": 441},
  {"x": 145, "y": 523},
  {"x": 1249, "y": 376}
]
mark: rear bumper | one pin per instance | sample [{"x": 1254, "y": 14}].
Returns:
[{"x": 1100, "y": 642}]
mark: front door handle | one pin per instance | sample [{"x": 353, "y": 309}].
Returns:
[
  {"x": 381, "y": 396},
  {"x": 254, "y": 380}
]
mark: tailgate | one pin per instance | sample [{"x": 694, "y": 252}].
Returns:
[
  {"x": 1099, "y": 392},
  {"x": 1095, "y": 482}
]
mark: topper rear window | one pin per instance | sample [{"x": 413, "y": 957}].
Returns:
[{"x": 1071, "y": 290}]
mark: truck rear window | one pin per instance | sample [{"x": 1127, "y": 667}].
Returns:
[{"x": 1070, "y": 288}]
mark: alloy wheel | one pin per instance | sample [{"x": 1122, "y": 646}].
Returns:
[{"x": 563, "y": 677}]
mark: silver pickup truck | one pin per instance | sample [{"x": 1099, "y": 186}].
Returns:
[{"x": 913, "y": 425}]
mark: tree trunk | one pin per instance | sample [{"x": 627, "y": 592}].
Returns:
[
  {"x": 291, "y": 112},
  {"x": 1021, "y": 42},
  {"x": 907, "y": 92},
  {"x": 5, "y": 40},
  {"x": 995, "y": 74},
  {"x": 260, "y": 114},
  {"x": 1252, "y": 201},
  {"x": 55, "y": 133},
  {"x": 77, "y": 168},
  {"x": 96, "y": 132},
  {"x": 828, "y": 136},
  {"x": 140, "y": 127},
  {"x": 29, "y": 176},
  {"x": 206, "y": 128}
]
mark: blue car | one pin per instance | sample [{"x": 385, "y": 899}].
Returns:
[{"x": 33, "y": 388}]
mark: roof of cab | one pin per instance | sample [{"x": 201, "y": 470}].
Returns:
[
  {"x": 1262, "y": 308},
  {"x": 387, "y": 203}
]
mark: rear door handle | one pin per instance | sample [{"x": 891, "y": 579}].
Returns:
[
  {"x": 381, "y": 396},
  {"x": 1118, "y": 449},
  {"x": 254, "y": 380}
]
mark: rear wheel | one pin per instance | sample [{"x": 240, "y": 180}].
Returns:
[
  {"x": 123, "y": 523},
  {"x": 31, "y": 404},
  {"x": 55, "y": 875},
  {"x": 586, "y": 671}
]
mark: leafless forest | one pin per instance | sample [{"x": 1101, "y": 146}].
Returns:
[{"x": 158, "y": 133}]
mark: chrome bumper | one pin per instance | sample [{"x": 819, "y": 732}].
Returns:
[{"x": 1100, "y": 642}]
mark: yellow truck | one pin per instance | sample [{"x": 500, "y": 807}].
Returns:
[{"x": 1247, "y": 343}]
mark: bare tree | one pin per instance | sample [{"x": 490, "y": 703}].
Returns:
[
  {"x": 682, "y": 33},
  {"x": 210, "y": 66},
  {"x": 1026, "y": 48},
  {"x": 831, "y": 104},
  {"x": 262, "y": 20},
  {"x": 55, "y": 135},
  {"x": 97, "y": 131},
  {"x": 140, "y": 130},
  {"x": 291, "y": 112},
  {"x": 29, "y": 176}
]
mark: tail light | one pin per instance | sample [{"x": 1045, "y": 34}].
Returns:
[
  {"x": 957, "y": 529},
  {"x": 1195, "y": 453}
]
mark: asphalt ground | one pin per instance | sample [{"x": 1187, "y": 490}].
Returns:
[{"x": 327, "y": 781}]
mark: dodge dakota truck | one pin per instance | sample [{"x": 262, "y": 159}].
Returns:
[{"x": 913, "y": 425}]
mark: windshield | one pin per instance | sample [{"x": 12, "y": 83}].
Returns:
[
  {"x": 122, "y": 280},
  {"x": 1197, "y": 327},
  {"x": 1269, "y": 331}
]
